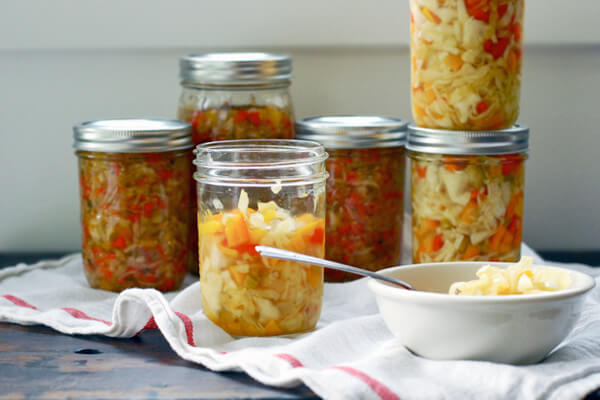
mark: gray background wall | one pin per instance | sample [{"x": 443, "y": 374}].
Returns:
[{"x": 54, "y": 74}]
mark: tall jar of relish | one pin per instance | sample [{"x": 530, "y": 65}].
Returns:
[
  {"x": 260, "y": 192},
  {"x": 466, "y": 63},
  {"x": 228, "y": 96},
  {"x": 136, "y": 214},
  {"x": 467, "y": 193},
  {"x": 364, "y": 189}
]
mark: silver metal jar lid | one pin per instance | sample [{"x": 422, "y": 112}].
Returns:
[
  {"x": 132, "y": 135},
  {"x": 353, "y": 131},
  {"x": 439, "y": 141},
  {"x": 235, "y": 68}
]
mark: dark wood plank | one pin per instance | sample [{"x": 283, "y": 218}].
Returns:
[{"x": 37, "y": 362}]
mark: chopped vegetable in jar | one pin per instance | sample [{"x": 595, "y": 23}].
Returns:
[
  {"x": 364, "y": 209},
  {"x": 466, "y": 63},
  {"x": 136, "y": 219},
  {"x": 467, "y": 207},
  {"x": 238, "y": 122},
  {"x": 249, "y": 295},
  {"x": 520, "y": 278}
]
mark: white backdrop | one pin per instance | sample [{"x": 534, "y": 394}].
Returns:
[{"x": 63, "y": 62}]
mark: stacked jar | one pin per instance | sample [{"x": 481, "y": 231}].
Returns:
[
  {"x": 364, "y": 190},
  {"x": 229, "y": 96},
  {"x": 467, "y": 155}
]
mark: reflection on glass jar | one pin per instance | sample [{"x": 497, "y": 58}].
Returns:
[
  {"x": 466, "y": 63},
  {"x": 134, "y": 178},
  {"x": 260, "y": 192},
  {"x": 364, "y": 189},
  {"x": 467, "y": 206},
  {"x": 230, "y": 96}
]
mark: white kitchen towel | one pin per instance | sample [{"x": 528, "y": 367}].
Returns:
[{"x": 350, "y": 355}]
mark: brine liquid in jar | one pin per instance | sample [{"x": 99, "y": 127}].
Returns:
[
  {"x": 466, "y": 63},
  {"x": 231, "y": 96},
  {"x": 278, "y": 202}
]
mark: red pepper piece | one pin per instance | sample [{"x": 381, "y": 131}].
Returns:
[
  {"x": 422, "y": 172},
  {"x": 438, "y": 242},
  {"x": 240, "y": 116},
  {"x": 165, "y": 174},
  {"x": 496, "y": 49},
  {"x": 510, "y": 163},
  {"x": 254, "y": 118},
  {"x": 481, "y": 107},
  {"x": 148, "y": 208},
  {"x": 119, "y": 242},
  {"x": 502, "y": 8},
  {"x": 318, "y": 236}
]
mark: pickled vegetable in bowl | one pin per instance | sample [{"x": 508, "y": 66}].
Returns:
[
  {"x": 510, "y": 328},
  {"x": 520, "y": 278}
]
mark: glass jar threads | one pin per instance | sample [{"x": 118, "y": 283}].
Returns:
[
  {"x": 260, "y": 192},
  {"x": 134, "y": 180},
  {"x": 229, "y": 96},
  {"x": 364, "y": 189},
  {"x": 467, "y": 193},
  {"x": 466, "y": 63}
]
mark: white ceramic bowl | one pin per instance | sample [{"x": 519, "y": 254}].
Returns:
[{"x": 515, "y": 329}]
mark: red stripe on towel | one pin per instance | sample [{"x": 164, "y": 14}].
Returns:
[
  {"x": 81, "y": 315},
  {"x": 189, "y": 328},
  {"x": 151, "y": 324},
  {"x": 379, "y": 388},
  {"x": 18, "y": 302},
  {"x": 294, "y": 362}
]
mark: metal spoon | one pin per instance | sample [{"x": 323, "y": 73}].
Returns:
[{"x": 273, "y": 252}]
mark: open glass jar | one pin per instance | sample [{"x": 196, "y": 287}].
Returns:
[
  {"x": 260, "y": 192},
  {"x": 136, "y": 215},
  {"x": 466, "y": 63},
  {"x": 229, "y": 96},
  {"x": 467, "y": 192},
  {"x": 364, "y": 189}
]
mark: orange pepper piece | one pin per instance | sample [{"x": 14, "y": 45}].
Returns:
[{"x": 236, "y": 231}]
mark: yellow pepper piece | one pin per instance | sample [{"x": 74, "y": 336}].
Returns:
[
  {"x": 430, "y": 15},
  {"x": 209, "y": 227},
  {"x": 272, "y": 328},
  {"x": 228, "y": 252},
  {"x": 237, "y": 276},
  {"x": 315, "y": 276},
  {"x": 257, "y": 234},
  {"x": 454, "y": 62}
]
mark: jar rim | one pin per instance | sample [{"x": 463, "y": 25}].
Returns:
[{"x": 243, "y": 161}]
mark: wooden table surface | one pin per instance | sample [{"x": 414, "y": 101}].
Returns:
[{"x": 37, "y": 362}]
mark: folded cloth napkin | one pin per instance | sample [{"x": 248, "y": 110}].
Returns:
[{"x": 350, "y": 355}]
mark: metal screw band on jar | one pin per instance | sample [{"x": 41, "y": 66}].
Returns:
[
  {"x": 132, "y": 136},
  {"x": 353, "y": 131},
  {"x": 236, "y": 68},
  {"x": 439, "y": 141}
]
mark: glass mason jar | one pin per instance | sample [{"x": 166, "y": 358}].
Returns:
[
  {"x": 364, "y": 189},
  {"x": 229, "y": 96},
  {"x": 466, "y": 63},
  {"x": 260, "y": 192},
  {"x": 136, "y": 216},
  {"x": 467, "y": 193}
]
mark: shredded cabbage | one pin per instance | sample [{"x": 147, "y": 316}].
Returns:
[{"x": 466, "y": 63}]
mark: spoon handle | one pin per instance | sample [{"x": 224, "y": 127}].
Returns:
[{"x": 280, "y": 254}]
